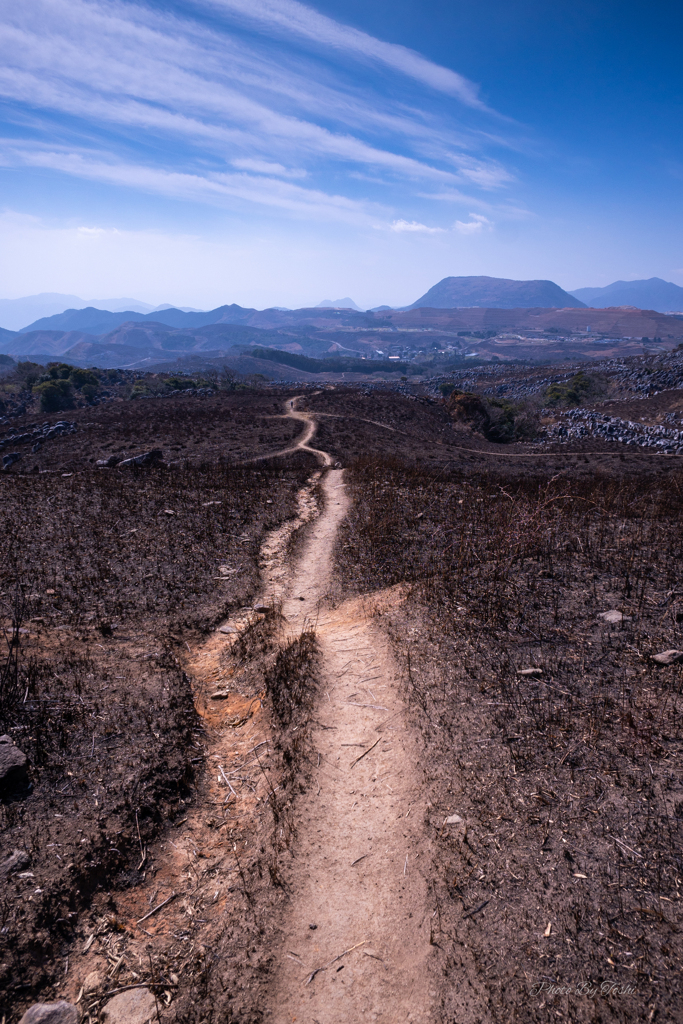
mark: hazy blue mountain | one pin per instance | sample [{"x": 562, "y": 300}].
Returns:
[
  {"x": 346, "y": 303},
  {"x": 168, "y": 305},
  {"x": 14, "y": 313},
  {"x": 100, "y": 321},
  {"x": 495, "y": 293},
  {"x": 654, "y": 293},
  {"x": 90, "y": 320}
]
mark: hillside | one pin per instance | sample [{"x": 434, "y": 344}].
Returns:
[
  {"x": 495, "y": 293},
  {"x": 653, "y": 293}
]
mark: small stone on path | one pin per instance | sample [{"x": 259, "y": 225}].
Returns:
[
  {"x": 454, "y": 819},
  {"x": 530, "y": 672},
  {"x": 137, "y": 1006}
]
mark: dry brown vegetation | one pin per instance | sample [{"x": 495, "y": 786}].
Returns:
[{"x": 568, "y": 780}]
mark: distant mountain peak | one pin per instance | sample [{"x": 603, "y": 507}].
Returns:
[
  {"x": 346, "y": 303},
  {"x": 651, "y": 293},
  {"x": 495, "y": 293}
]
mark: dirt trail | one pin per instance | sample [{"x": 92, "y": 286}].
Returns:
[{"x": 356, "y": 871}]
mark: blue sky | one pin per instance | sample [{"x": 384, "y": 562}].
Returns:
[{"x": 269, "y": 152}]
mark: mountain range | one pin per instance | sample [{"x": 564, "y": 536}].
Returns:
[
  {"x": 654, "y": 293},
  {"x": 14, "y": 313}
]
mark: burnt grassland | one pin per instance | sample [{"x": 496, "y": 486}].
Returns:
[
  {"x": 230, "y": 426},
  {"x": 418, "y": 431},
  {"x": 105, "y": 575},
  {"x": 558, "y": 894}
]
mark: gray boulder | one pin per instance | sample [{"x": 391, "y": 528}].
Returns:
[
  {"x": 9, "y": 459},
  {"x": 51, "y": 1013},
  {"x": 12, "y": 766}
]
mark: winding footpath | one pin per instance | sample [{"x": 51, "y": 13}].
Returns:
[{"x": 355, "y": 940}]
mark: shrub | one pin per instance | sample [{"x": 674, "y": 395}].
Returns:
[
  {"x": 573, "y": 392},
  {"x": 60, "y": 371},
  {"x": 80, "y": 378},
  {"x": 54, "y": 395},
  {"x": 29, "y": 373},
  {"x": 498, "y": 421}
]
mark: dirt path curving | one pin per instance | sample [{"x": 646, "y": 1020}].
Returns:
[{"x": 355, "y": 938}]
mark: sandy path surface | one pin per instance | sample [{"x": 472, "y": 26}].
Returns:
[{"x": 355, "y": 938}]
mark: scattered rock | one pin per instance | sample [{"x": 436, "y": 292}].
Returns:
[
  {"x": 92, "y": 982},
  {"x": 147, "y": 459},
  {"x": 668, "y": 657},
  {"x": 262, "y": 608},
  {"x": 17, "y": 861},
  {"x": 12, "y": 767},
  {"x": 9, "y": 459},
  {"x": 614, "y": 616},
  {"x": 51, "y": 1013},
  {"x": 137, "y": 1006},
  {"x": 220, "y": 695},
  {"x": 529, "y": 671},
  {"x": 113, "y": 460},
  {"x": 454, "y": 819},
  {"x": 228, "y": 629}
]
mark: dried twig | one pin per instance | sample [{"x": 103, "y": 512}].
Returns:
[
  {"x": 476, "y": 910},
  {"x": 361, "y": 756},
  {"x": 171, "y": 897}
]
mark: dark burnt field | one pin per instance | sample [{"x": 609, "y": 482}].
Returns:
[
  {"x": 417, "y": 431},
  {"x": 106, "y": 574},
  {"x": 549, "y": 731},
  {"x": 557, "y": 894}
]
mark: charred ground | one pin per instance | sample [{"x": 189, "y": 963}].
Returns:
[{"x": 569, "y": 781}]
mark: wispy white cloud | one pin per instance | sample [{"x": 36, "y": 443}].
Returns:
[
  {"x": 413, "y": 225},
  {"x": 194, "y": 100},
  {"x": 301, "y": 20},
  {"x": 264, "y": 167},
  {"x": 216, "y": 188},
  {"x": 474, "y": 226}
]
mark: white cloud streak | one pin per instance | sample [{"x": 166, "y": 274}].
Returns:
[
  {"x": 216, "y": 188},
  {"x": 85, "y": 69},
  {"x": 415, "y": 226},
  {"x": 300, "y": 20},
  {"x": 474, "y": 226}
]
